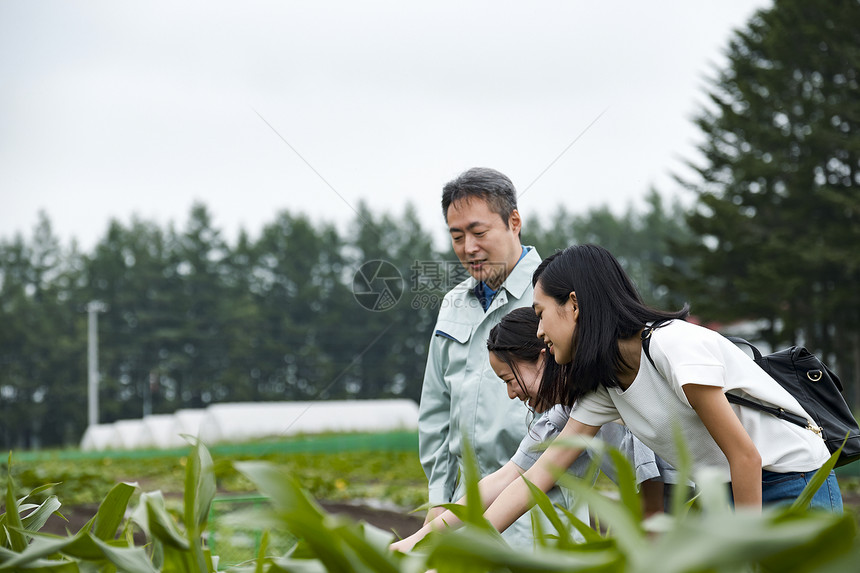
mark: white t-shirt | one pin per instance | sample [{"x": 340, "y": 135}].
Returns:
[
  {"x": 654, "y": 405},
  {"x": 550, "y": 424}
]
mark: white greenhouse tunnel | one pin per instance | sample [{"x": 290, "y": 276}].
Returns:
[{"x": 240, "y": 422}]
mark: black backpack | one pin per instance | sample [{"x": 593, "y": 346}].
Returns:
[{"x": 816, "y": 387}]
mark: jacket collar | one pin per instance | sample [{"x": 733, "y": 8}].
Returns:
[{"x": 520, "y": 279}]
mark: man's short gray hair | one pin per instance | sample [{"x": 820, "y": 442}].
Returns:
[{"x": 481, "y": 182}]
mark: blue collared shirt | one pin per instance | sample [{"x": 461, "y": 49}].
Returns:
[{"x": 485, "y": 294}]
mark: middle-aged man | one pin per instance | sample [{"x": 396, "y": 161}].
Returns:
[{"x": 461, "y": 395}]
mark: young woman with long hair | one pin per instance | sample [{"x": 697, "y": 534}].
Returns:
[{"x": 592, "y": 319}]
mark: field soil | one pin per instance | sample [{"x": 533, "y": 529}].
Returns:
[{"x": 399, "y": 523}]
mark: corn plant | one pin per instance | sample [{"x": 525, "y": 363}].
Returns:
[
  {"x": 24, "y": 548},
  {"x": 700, "y": 536},
  {"x": 106, "y": 542},
  {"x": 705, "y": 534}
]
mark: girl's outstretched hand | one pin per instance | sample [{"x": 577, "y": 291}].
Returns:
[{"x": 407, "y": 543}]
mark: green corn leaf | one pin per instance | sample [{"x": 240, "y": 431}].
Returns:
[
  {"x": 541, "y": 537},
  {"x": 376, "y": 537},
  {"x": 678, "y": 502},
  {"x": 280, "y": 488},
  {"x": 36, "y": 519},
  {"x": 300, "y": 550},
  {"x": 199, "y": 485},
  {"x": 423, "y": 508},
  {"x": 462, "y": 513},
  {"x": 139, "y": 514},
  {"x": 471, "y": 476},
  {"x": 161, "y": 525},
  {"x": 199, "y": 492},
  {"x": 126, "y": 559},
  {"x": 589, "y": 534},
  {"x": 157, "y": 555},
  {"x": 544, "y": 503},
  {"x": 731, "y": 541},
  {"x": 38, "y": 565},
  {"x": 140, "y": 517},
  {"x": 112, "y": 510},
  {"x": 301, "y": 515},
  {"x": 713, "y": 492},
  {"x": 14, "y": 537},
  {"x": 261, "y": 553},
  {"x": 470, "y": 549},
  {"x": 289, "y": 565},
  {"x": 40, "y": 489},
  {"x": 844, "y": 563},
  {"x": 818, "y": 538},
  {"x": 627, "y": 529},
  {"x": 328, "y": 548},
  {"x": 626, "y": 481},
  {"x": 179, "y": 560},
  {"x": 596, "y": 449},
  {"x": 459, "y": 510},
  {"x": 366, "y": 546},
  {"x": 40, "y": 548},
  {"x": 802, "y": 501},
  {"x": 81, "y": 547}
]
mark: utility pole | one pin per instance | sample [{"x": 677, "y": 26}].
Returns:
[
  {"x": 93, "y": 308},
  {"x": 147, "y": 393}
]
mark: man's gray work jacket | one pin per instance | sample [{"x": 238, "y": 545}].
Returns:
[{"x": 461, "y": 394}]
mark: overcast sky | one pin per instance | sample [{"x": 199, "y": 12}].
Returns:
[{"x": 109, "y": 108}]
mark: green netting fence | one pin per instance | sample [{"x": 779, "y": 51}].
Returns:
[{"x": 232, "y": 539}]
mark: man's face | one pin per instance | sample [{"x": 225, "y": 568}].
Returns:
[{"x": 487, "y": 247}]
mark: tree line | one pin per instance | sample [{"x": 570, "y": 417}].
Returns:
[
  {"x": 302, "y": 312},
  {"x": 191, "y": 319}
]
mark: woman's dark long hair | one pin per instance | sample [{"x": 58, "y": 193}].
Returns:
[
  {"x": 514, "y": 340},
  {"x": 610, "y": 310}
]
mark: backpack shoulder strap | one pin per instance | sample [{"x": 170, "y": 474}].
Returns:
[
  {"x": 778, "y": 412},
  {"x": 646, "y": 338},
  {"x": 756, "y": 353},
  {"x": 740, "y": 400}
]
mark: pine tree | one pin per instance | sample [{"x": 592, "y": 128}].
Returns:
[{"x": 778, "y": 208}]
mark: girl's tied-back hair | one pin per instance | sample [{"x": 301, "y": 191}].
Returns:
[
  {"x": 610, "y": 309},
  {"x": 515, "y": 339}
]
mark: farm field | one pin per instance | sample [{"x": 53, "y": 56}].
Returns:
[
  {"x": 376, "y": 478},
  {"x": 348, "y": 474}
]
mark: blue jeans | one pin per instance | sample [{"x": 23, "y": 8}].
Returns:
[{"x": 785, "y": 487}]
